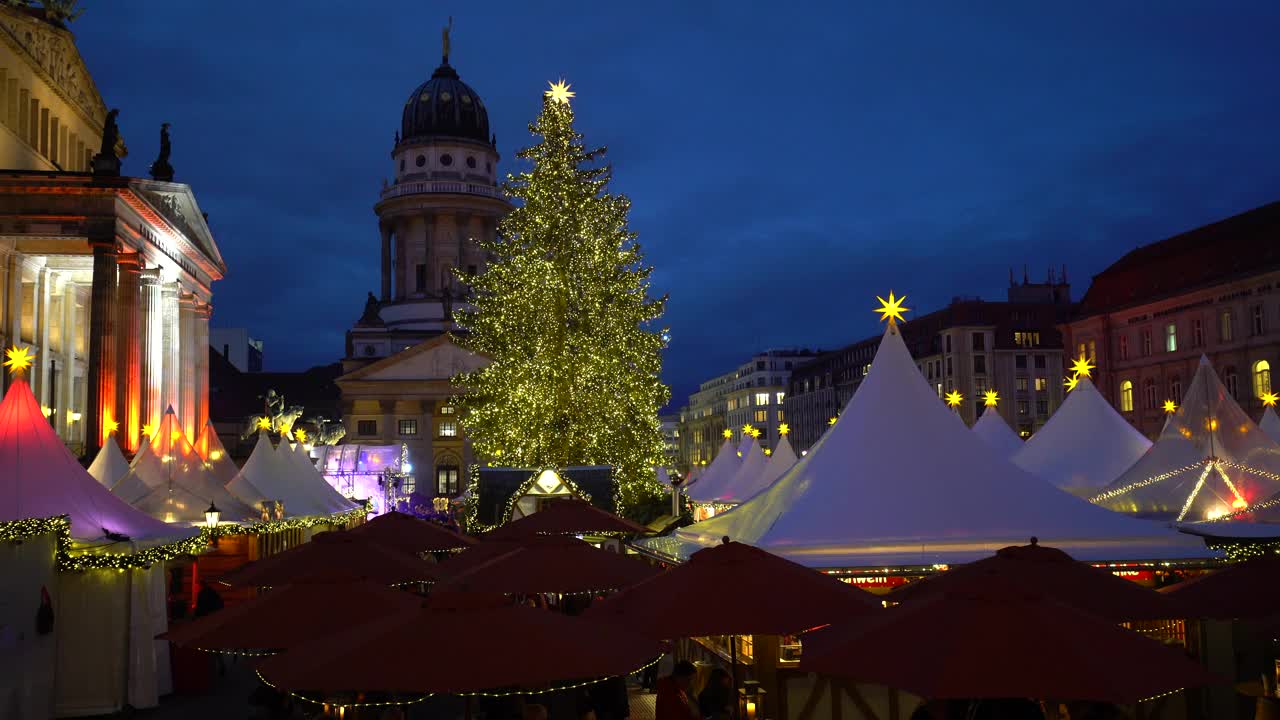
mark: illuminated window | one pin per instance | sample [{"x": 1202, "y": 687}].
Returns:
[
  {"x": 1146, "y": 342},
  {"x": 447, "y": 480},
  {"x": 1126, "y": 396},
  {"x": 781, "y": 418},
  {"x": 1080, "y": 350},
  {"x": 1149, "y": 394},
  {"x": 762, "y": 399},
  {"x": 1042, "y": 384},
  {"x": 1123, "y": 347},
  {"x": 1261, "y": 378},
  {"x": 1197, "y": 333},
  {"x": 367, "y": 427},
  {"x": 778, "y": 397},
  {"x": 408, "y": 427},
  {"x": 446, "y": 410},
  {"x": 762, "y": 416},
  {"x": 1224, "y": 326},
  {"x": 448, "y": 428},
  {"x": 1171, "y": 337},
  {"x": 1093, "y": 350},
  {"x": 731, "y": 404}
]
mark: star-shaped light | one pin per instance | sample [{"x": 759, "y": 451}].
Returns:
[
  {"x": 832, "y": 421},
  {"x": 891, "y": 309},
  {"x": 300, "y": 434},
  {"x": 1081, "y": 367},
  {"x": 560, "y": 92},
  {"x": 990, "y": 398},
  {"x": 1170, "y": 407},
  {"x": 1070, "y": 382},
  {"x": 18, "y": 359},
  {"x": 767, "y": 451},
  {"x": 785, "y": 429},
  {"x": 110, "y": 425},
  {"x": 1269, "y": 399},
  {"x": 954, "y": 398},
  {"x": 264, "y": 423},
  {"x": 748, "y": 429},
  {"x": 755, "y": 432},
  {"x": 149, "y": 430}
]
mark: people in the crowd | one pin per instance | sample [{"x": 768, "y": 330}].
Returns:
[
  {"x": 715, "y": 702},
  {"x": 675, "y": 701}
]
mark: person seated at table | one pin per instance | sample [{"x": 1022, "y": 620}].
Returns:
[
  {"x": 716, "y": 699},
  {"x": 675, "y": 699}
]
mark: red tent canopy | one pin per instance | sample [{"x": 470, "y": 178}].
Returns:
[
  {"x": 460, "y": 644},
  {"x": 411, "y": 534},
  {"x": 569, "y": 517},
  {"x": 1057, "y": 575},
  {"x": 735, "y": 589},
  {"x": 289, "y": 615},
  {"x": 1001, "y": 644},
  {"x": 490, "y": 548},
  {"x": 562, "y": 566},
  {"x": 1247, "y": 590},
  {"x": 335, "y": 556}
]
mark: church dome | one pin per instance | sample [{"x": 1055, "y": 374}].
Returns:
[{"x": 444, "y": 106}]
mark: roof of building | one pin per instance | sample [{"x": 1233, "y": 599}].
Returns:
[
  {"x": 1223, "y": 251},
  {"x": 444, "y": 106}
]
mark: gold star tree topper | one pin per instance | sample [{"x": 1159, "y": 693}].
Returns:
[
  {"x": 1081, "y": 367},
  {"x": 18, "y": 359},
  {"x": 1269, "y": 399},
  {"x": 1070, "y": 382},
  {"x": 560, "y": 92},
  {"x": 1170, "y": 407},
  {"x": 990, "y": 398},
  {"x": 954, "y": 398},
  {"x": 891, "y": 310}
]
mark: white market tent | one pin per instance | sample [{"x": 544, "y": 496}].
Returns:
[
  {"x": 779, "y": 462},
  {"x": 215, "y": 454},
  {"x": 1085, "y": 445},
  {"x": 170, "y": 481},
  {"x": 715, "y": 475},
  {"x": 269, "y": 474},
  {"x": 1210, "y": 462},
  {"x": 1270, "y": 424},
  {"x": 996, "y": 433},
  {"x": 109, "y": 465},
  {"x": 898, "y": 482},
  {"x": 745, "y": 478}
]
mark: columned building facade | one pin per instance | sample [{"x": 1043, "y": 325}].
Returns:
[{"x": 106, "y": 278}]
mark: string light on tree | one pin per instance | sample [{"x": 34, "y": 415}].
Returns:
[{"x": 990, "y": 398}]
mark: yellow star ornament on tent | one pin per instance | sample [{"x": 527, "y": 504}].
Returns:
[
  {"x": 1170, "y": 407},
  {"x": 300, "y": 435},
  {"x": 990, "y": 398},
  {"x": 18, "y": 359},
  {"x": 1269, "y": 399},
  {"x": 1081, "y": 367},
  {"x": 748, "y": 429},
  {"x": 784, "y": 429},
  {"x": 728, "y": 434},
  {"x": 264, "y": 423},
  {"x": 149, "y": 430},
  {"x": 891, "y": 310},
  {"x": 954, "y": 398},
  {"x": 832, "y": 421},
  {"x": 1070, "y": 382},
  {"x": 110, "y": 425},
  {"x": 560, "y": 92}
]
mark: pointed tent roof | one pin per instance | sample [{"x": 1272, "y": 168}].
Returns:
[
  {"x": 220, "y": 463},
  {"x": 170, "y": 481},
  {"x": 109, "y": 465},
  {"x": 271, "y": 474},
  {"x": 898, "y": 481},
  {"x": 1085, "y": 445},
  {"x": 780, "y": 461},
  {"x": 996, "y": 433},
  {"x": 1210, "y": 461},
  {"x": 713, "y": 477},
  {"x": 746, "y": 479},
  {"x": 41, "y": 479},
  {"x": 1270, "y": 424}
]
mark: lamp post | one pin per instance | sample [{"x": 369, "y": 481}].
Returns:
[
  {"x": 211, "y": 516},
  {"x": 676, "y": 482}
]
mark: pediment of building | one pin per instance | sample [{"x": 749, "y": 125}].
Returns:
[{"x": 435, "y": 359}]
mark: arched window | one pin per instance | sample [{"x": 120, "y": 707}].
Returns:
[
  {"x": 1149, "y": 398},
  {"x": 1261, "y": 378},
  {"x": 1126, "y": 396}
]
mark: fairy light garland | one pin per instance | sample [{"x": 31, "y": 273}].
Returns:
[
  {"x": 68, "y": 559},
  {"x": 1101, "y": 497},
  {"x": 473, "y": 502},
  {"x": 328, "y": 703}
]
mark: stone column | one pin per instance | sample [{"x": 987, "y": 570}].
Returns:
[
  {"x": 102, "y": 343},
  {"x": 388, "y": 431},
  {"x": 153, "y": 350},
  {"x": 40, "y": 336},
  {"x": 386, "y": 261},
  {"x": 187, "y": 389},
  {"x": 401, "y": 272},
  {"x": 172, "y": 359},
  {"x": 67, "y": 392},
  {"x": 128, "y": 354},
  {"x": 204, "y": 311}
]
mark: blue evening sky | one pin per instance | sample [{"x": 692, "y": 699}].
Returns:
[{"x": 786, "y": 162}]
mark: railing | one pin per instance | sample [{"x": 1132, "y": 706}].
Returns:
[{"x": 439, "y": 186}]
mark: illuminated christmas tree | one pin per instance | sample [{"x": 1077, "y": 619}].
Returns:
[{"x": 564, "y": 312}]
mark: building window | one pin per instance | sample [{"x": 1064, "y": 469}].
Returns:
[
  {"x": 1081, "y": 349},
  {"x": 1021, "y": 384},
  {"x": 1261, "y": 378},
  {"x": 1126, "y": 396},
  {"x": 1149, "y": 394},
  {"x": 1024, "y": 407},
  {"x": 1123, "y": 347},
  {"x": 778, "y": 397},
  {"x": 762, "y": 416},
  {"x": 1093, "y": 350},
  {"x": 979, "y": 341},
  {"x": 1171, "y": 337},
  {"x": 762, "y": 399},
  {"x": 448, "y": 428},
  {"x": 980, "y": 364},
  {"x": 1224, "y": 326},
  {"x": 1146, "y": 342},
  {"x": 1197, "y": 332},
  {"x": 1042, "y": 384},
  {"x": 1020, "y": 362},
  {"x": 408, "y": 427},
  {"x": 781, "y": 416},
  {"x": 1042, "y": 408},
  {"x": 948, "y": 343},
  {"x": 1040, "y": 362},
  {"x": 447, "y": 480},
  {"x": 367, "y": 427},
  {"x": 731, "y": 404},
  {"x": 1026, "y": 339},
  {"x": 1229, "y": 379},
  {"x": 948, "y": 367},
  {"x": 1258, "y": 324},
  {"x": 446, "y": 410},
  {"x": 1175, "y": 389}
]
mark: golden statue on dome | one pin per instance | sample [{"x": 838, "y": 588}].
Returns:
[{"x": 445, "y": 38}]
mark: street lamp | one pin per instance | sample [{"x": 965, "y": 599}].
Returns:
[{"x": 211, "y": 516}]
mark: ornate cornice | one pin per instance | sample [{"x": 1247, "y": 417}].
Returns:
[{"x": 54, "y": 55}]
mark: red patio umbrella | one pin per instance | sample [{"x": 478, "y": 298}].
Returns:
[
  {"x": 1054, "y": 573},
  {"x": 286, "y": 616},
  {"x": 1247, "y": 590},
  {"x": 1001, "y": 643},
  {"x": 334, "y": 556},
  {"x": 460, "y": 643},
  {"x": 411, "y": 534},
  {"x": 570, "y": 517},
  {"x": 562, "y": 565},
  {"x": 735, "y": 589},
  {"x": 489, "y": 548}
]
